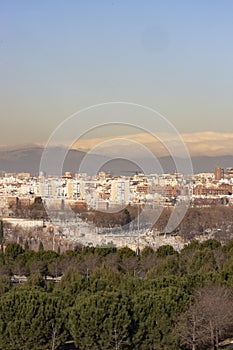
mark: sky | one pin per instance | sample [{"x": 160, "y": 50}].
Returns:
[{"x": 57, "y": 57}]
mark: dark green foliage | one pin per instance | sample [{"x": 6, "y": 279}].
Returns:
[
  {"x": 169, "y": 265},
  {"x": 107, "y": 298},
  {"x": 47, "y": 256},
  {"x": 202, "y": 261},
  {"x": 101, "y": 321},
  {"x": 5, "y": 284},
  {"x": 31, "y": 319},
  {"x": 194, "y": 244},
  {"x": 35, "y": 280},
  {"x": 229, "y": 245},
  {"x": 165, "y": 250},
  {"x": 13, "y": 250},
  {"x": 112, "y": 277},
  {"x": 145, "y": 321},
  {"x": 19, "y": 266},
  {"x": 147, "y": 251},
  {"x": 87, "y": 250},
  {"x": 126, "y": 251},
  {"x": 104, "y": 251},
  {"x": 210, "y": 244}
]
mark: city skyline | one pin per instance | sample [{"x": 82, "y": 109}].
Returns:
[{"x": 116, "y": 174}]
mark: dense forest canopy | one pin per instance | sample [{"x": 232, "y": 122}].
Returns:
[{"x": 108, "y": 298}]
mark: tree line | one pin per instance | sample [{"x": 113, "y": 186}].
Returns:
[{"x": 111, "y": 298}]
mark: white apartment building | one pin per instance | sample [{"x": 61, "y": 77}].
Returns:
[{"x": 120, "y": 191}]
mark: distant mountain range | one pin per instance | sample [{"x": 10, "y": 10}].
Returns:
[{"x": 27, "y": 159}]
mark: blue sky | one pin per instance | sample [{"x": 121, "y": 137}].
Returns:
[{"x": 59, "y": 56}]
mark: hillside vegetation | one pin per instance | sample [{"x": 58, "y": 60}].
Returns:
[{"x": 110, "y": 298}]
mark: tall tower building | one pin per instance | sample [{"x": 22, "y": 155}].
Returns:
[{"x": 218, "y": 173}]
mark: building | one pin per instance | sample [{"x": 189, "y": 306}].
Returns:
[
  {"x": 120, "y": 191},
  {"x": 218, "y": 173},
  {"x": 229, "y": 173}
]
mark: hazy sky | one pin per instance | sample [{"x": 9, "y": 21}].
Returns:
[{"x": 59, "y": 56}]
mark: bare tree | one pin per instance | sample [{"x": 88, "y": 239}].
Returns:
[
  {"x": 129, "y": 263},
  {"x": 148, "y": 262},
  {"x": 208, "y": 320},
  {"x": 112, "y": 261},
  {"x": 89, "y": 263},
  {"x": 189, "y": 329},
  {"x": 216, "y": 303}
]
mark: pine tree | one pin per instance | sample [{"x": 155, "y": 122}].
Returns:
[{"x": 1, "y": 234}]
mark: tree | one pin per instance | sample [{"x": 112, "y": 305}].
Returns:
[
  {"x": 1, "y": 234},
  {"x": 169, "y": 265},
  {"x": 112, "y": 261},
  {"x": 19, "y": 265},
  {"x": 41, "y": 247},
  {"x": 147, "y": 251},
  {"x": 129, "y": 264},
  {"x": 202, "y": 261},
  {"x": 26, "y": 245},
  {"x": 104, "y": 251},
  {"x": 35, "y": 280},
  {"x": 189, "y": 330},
  {"x": 13, "y": 250},
  {"x": 5, "y": 284},
  {"x": 165, "y": 250},
  {"x": 106, "y": 278},
  {"x": 147, "y": 262},
  {"x": 37, "y": 266},
  {"x": 127, "y": 217},
  {"x": 31, "y": 319},
  {"x": 145, "y": 335},
  {"x": 211, "y": 244},
  {"x": 126, "y": 251},
  {"x": 100, "y": 321},
  {"x": 208, "y": 320},
  {"x": 153, "y": 313},
  {"x": 88, "y": 264},
  {"x": 54, "y": 269}
]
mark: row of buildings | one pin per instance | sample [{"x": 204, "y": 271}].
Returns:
[{"x": 103, "y": 191}]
